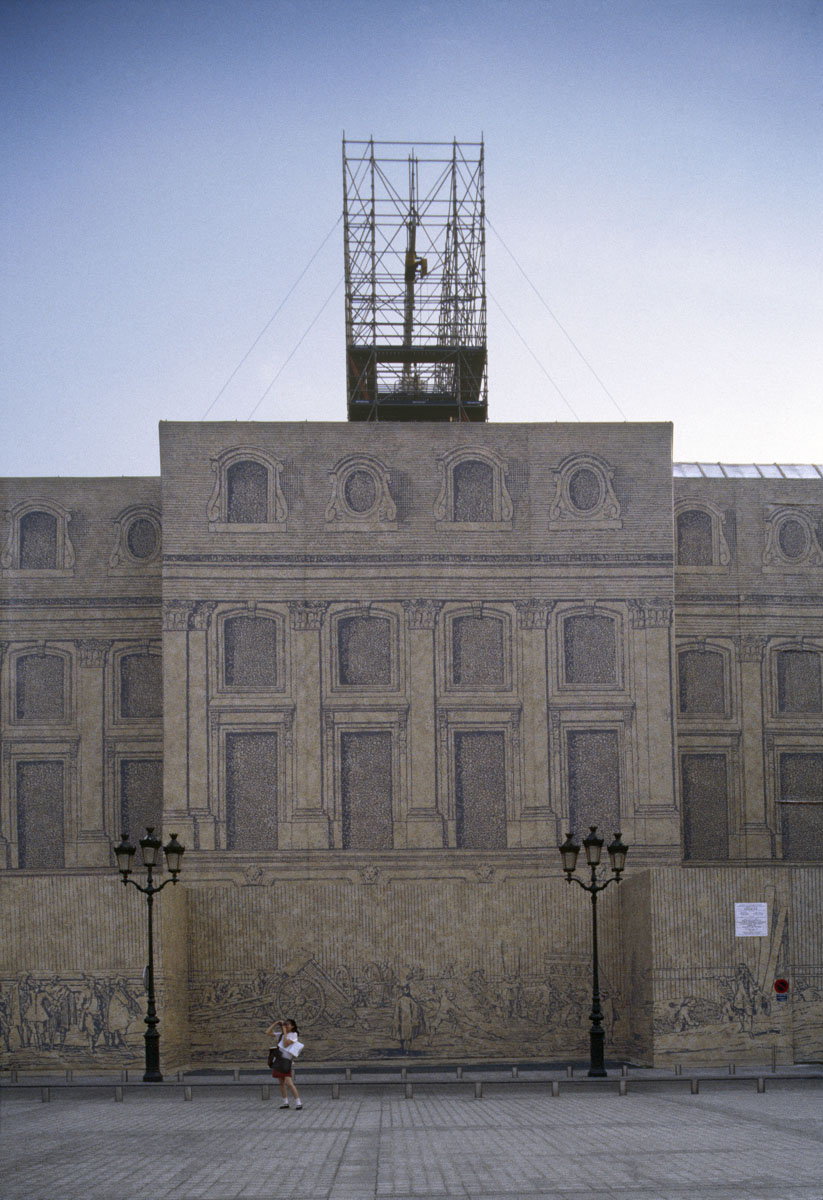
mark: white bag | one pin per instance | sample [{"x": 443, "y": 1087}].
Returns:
[{"x": 292, "y": 1050}]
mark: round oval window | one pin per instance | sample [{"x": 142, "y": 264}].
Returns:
[
  {"x": 584, "y": 489},
  {"x": 141, "y": 538},
  {"x": 792, "y": 538},
  {"x": 360, "y": 491}
]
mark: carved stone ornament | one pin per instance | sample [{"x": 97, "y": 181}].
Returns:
[
  {"x": 651, "y": 614},
  {"x": 533, "y": 614},
  {"x": 360, "y": 495},
  {"x": 584, "y": 497},
  {"x": 137, "y": 540},
  {"x": 307, "y": 614},
  {"x": 91, "y": 652},
  {"x": 201, "y": 614},
  {"x": 792, "y": 538},
  {"x": 177, "y": 615},
  {"x": 422, "y": 614},
  {"x": 751, "y": 647},
  {"x": 369, "y": 874},
  {"x": 253, "y": 875},
  {"x": 485, "y": 872}
]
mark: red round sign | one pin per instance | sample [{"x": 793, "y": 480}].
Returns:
[{"x": 781, "y": 986}]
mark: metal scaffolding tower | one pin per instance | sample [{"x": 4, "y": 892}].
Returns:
[{"x": 415, "y": 246}]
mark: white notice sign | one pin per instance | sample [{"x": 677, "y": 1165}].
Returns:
[{"x": 751, "y": 920}]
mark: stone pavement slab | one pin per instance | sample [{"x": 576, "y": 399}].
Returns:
[{"x": 727, "y": 1143}]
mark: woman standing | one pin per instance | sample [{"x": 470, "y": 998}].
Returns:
[{"x": 286, "y": 1051}]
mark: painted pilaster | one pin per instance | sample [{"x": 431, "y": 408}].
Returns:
[
  {"x": 176, "y": 811},
  {"x": 424, "y": 822},
  {"x": 753, "y": 838},
  {"x": 95, "y": 832},
  {"x": 198, "y": 724},
  {"x": 656, "y": 820},
  {"x": 537, "y": 823},
  {"x": 308, "y": 825}
]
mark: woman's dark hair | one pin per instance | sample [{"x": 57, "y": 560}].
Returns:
[{"x": 293, "y": 1024}]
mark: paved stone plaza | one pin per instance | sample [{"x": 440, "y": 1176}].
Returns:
[{"x": 727, "y": 1143}]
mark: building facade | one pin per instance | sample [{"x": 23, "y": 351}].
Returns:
[{"x": 371, "y": 674}]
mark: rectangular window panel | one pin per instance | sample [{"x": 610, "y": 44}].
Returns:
[
  {"x": 40, "y": 838},
  {"x": 251, "y": 791},
  {"x": 594, "y": 781},
  {"x": 141, "y": 796},
  {"x": 480, "y": 790},
  {"x": 798, "y": 682},
  {"x": 141, "y": 686},
  {"x": 801, "y": 810},
  {"x": 366, "y": 786},
  {"x": 705, "y": 806},
  {"x": 40, "y": 687}
]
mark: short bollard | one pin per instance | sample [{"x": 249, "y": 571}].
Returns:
[
  {"x": 695, "y": 1086},
  {"x": 459, "y": 1072},
  {"x": 478, "y": 1089},
  {"x": 678, "y": 1068},
  {"x": 118, "y": 1093},
  {"x": 569, "y": 1072},
  {"x": 761, "y": 1083},
  {"x": 348, "y": 1074},
  {"x": 555, "y": 1087},
  {"x": 265, "y": 1091},
  {"x": 621, "y": 1087},
  {"x": 187, "y": 1093},
  {"x": 409, "y": 1091},
  {"x": 124, "y": 1076},
  {"x": 236, "y": 1074},
  {"x": 732, "y": 1069},
  {"x": 69, "y": 1076},
  {"x": 335, "y": 1091},
  {"x": 45, "y": 1095},
  {"x": 404, "y": 1074},
  {"x": 515, "y": 1072}
]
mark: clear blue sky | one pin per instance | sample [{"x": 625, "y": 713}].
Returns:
[{"x": 171, "y": 166}]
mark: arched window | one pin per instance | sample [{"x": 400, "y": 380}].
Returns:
[
  {"x": 700, "y": 542},
  {"x": 473, "y": 492},
  {"x": 798, "y": 681},
  {"x": 250, "y": 653},
  {"x": 478, "y": 654},
  {"x": 701, "y": 681},
  {"x": 38, "y": 542},
  {"x": 38, "y": 538},
  {"x": 141, "y": 686},
  {"x": 247, "y": 495},
  {"x": 589, "y": 650},
  {"x": 40, "y": 687},
  {"x": 694, "y": 539}
]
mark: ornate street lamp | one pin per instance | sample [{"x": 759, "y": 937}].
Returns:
[
  {"x": 617, "y": 852},
  {"x": 150, "y": 852}
]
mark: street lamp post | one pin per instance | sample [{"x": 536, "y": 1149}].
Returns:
[
  {"x": 569, "y": 851},
  {"x": 150, "y": 851}
]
